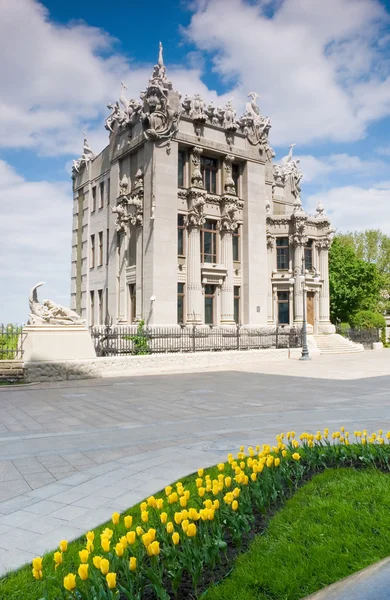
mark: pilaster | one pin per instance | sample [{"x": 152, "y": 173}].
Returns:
[{"x": 270, "y": 253}]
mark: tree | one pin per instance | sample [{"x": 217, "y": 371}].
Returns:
[{"x": 354, "y": 284}]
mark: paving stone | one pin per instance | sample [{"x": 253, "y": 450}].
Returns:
[
  {"x": 70, "y": 513},
  {"x": 47, "y": 491},
  {"x": 8, "y": 472},
  {"x": 44, "y": 507},
  {"x": 37, "y": 480},
  {"x": 19, "y": 486},
  {"x": 18, "y": 503}
]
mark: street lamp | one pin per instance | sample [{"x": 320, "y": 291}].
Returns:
[{"x": 301, "y": 277}]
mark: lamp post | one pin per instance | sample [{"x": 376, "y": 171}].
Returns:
[{"x": 302, "y": 278}]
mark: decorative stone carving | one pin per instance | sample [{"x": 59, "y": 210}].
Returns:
[
  {"x": 124, "y": 112},
  {"x": 287, "y": 159},
  {"x": 229, "y": 186},
  {"x": 324, "y": 242},
  {"x": 137, "y": 199},
  {"x": 195, "y": 108},
  {"x": 267, "y": 206},
  {"x": 124, "y": 186},
  {"x": 122, "y": 218},
  {"x": 161, "y": 104},
  {"x": 196, "y": 176},
  {"x": 279, "y": 174},
  {"x": 212, "y": 114},
  {"x": 50, "y": 313},
  {"x": 86, "y": 157},
  {"x": 256, "y": 127},
  {"x": 195, "y": 216},
  {"x": 270, "y": 241},
  {"x": 228, "y": 221}
]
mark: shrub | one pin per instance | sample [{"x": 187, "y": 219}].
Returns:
[{"x": 367, "y": 319}]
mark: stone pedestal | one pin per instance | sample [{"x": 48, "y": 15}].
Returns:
[{"x": 57, "y": 342}]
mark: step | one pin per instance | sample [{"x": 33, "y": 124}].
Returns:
[{"x": 336, "y": 344}]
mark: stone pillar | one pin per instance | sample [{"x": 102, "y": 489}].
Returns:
[
  {"x": 298, "y": 285},
  {"x": 194, "y": 281},
  {"x": 270, "y": 251},
  {"x": 227, "y": 289},
  {"x": 138, "y": 273},
  {"x": 324, "y": 320}
]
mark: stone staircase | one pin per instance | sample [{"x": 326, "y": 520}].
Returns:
[{"x": 336, "y": 344}]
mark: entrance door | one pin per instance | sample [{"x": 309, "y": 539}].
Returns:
[{"x": 310, "y": 307}]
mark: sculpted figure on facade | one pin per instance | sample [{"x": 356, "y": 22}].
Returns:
[
  {"x": 85, "y": 158},
  {"x": 124, "y": 112},
  {"x": 137, "y": 199},
  {"x": 122, "y": 218},
  {"x": 124, "y": 187},
  {"x": 211, "y": 113},
  {"x": 195, "y": 216},
  {"x": 229, "y": 186},
  {"x": 196, "y": 176},
  {"x": 50, "y": 313},
  {"x": 256, "y": 127},
  {"x": 161, "y": 104}
]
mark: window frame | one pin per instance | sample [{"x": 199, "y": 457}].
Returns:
[
  {"x": 92, "y": 251},
  {"x": 181, "y": 233},
  {"x": 308, "y": 249},
  {"x": 181, "y": 296},
  {"x": 100, "y": 249},
  {"x": 280, "y": 255},
  {"x": 236, "y": 235},
  {"x": 208, "y": 296},
  {"x": 93, "y": 200},
  {"x": 237, "y": 304},
  {"x": 100, "y": 307},
  {"x": 101, "y": 195},
  {"x": 183, "y": 174},
  {"x": 133, "y": 302},
  {"x": 214, "y": 242},
  {"x": 236, "y": 178},
  {"x": 92, "y": 307},
  {"x": 283, "y": 301},
  {"x": 209, "y": 173}
]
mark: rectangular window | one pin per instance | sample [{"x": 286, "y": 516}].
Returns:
[
  {"x": 100, "y": 249},
  {"x": 180, "y": 235},
  {"x": 236, "y": 177},
  {"x": 309, "y": 255},
  {"x": 108, "y": 191},
  {"x": 92, "y": 263},
  {"x": 209, "y": 168},
  {"x": 107, "y": 246},
  {"x": 237, "y": 304},
  {"x": 236, "y": 244},
  {"x": 181, "y": 165},
  {"x": 282, "y": 254},
  {"x": 180, "y": 303},
  {"x": 100, "y": 306},
  {"x": 209, "y": 294},
  {"x": 209, "y": 241},
  {"x": 101, "y": 195},
  {"x": 283, "y": 308},
  {"x": 92, "y": 307},
  {"x": 133, "y": 303},
  {"x": 107, "y": 313},
  {"x": 93, "y": 204}
]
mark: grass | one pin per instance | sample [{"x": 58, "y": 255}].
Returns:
[{"x": 335, "y": 525}]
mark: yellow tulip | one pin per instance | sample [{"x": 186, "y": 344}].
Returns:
[
  {"x": 221, "y": 466},
  {"x": 234, "y": 505},
  {"x": 84, "y": 555},
  {"x": 200, "y": 472},
  {"x": 163, "y": 518},
  {"x": 37, "y": 574},
  {"x": 57, "y": 559},
  {"x": 236, "y": 492},
  {"x": 178, "y": 517},
  {"x": 201, "y": 492},
  {"x": 123, "y": 541},
  {"x": 296, "y": 456},
  {"x": 228, "y": 481},
  {"x": 63, "y": 545},
  {"x": 183, "y": 501},
  {"x": 115, "y": 518},
  {"x": 176, "y": 538},
  {"x": 143, "y": 506},
  {"x": 277, "y": 462},
  {"x": 159, "y": 503},
  {"x": 119, "y": 550},
  {"x": 83, "y": 572},
  {"x": 155, "y": 548},
  {"x": 187, "y": 494},
  {"x": 128, "y": 521},
  {"x": 210, "y": 515},
  {"x": 144, "y": 516},
  {"x": 193, "y": 514},
  {"x": 90, "y": 547},
  {"x": 170, "y": 527},
  {"x": 191, "y": 531},
  {"x": 254, "y": 476},
  {"x": 168, "y": 490},
  {"x": 198, "y": 482},
  {"x": 104, "y": 566},
  {"x": 133, "y": 563},
  {"x": 105, "y": 544},
  {"x": 146, "y": 540},
  {"x": 130, "y": 536},
  {"x": 184, "y": 525},
  {"x": 152, "y": 533},
  {"x": 151, "y": 501},
  {"x": 284, "y": 453},
  {"x": 111, "y": 580},
  {"x": 139, "y": 531},
  {"x": 37, "y": 563},
  {"x": 70, "y": 582},
  {"x": 216, "y": 504},
  {"x": 97, "y": 561},
  {"x": 90, "y": 536}
]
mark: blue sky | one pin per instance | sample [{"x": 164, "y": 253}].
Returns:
[{"x": 321, "y": 69}]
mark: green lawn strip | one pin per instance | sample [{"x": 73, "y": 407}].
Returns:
[
  {"x": 20, "y": 584},
  {"x": 335, "y": 525}
]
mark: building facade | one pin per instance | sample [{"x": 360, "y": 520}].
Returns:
[{"x": 185, "y": 219}]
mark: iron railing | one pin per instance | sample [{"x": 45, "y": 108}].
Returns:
[
  {"x": 121, "y": 340},
  {"x": 361, "y": 336},
  {"x": 11, "y": 342}
]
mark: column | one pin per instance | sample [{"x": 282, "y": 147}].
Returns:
[
  {"x": 138, "y": 272},
  {"x": 194, "y": 281},
  {"x": 298, "y": 285},
  {"x": 323, "y": 247},
  {"x": 227, "y": 295},
  {"x": 270, "y": 247}
]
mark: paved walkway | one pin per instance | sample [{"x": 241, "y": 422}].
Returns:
[{"x": 73, "y": 452}]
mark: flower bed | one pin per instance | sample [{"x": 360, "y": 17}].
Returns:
[{"x": 167, "y": 544}]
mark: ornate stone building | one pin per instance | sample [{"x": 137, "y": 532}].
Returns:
[{"x": 184, "y": 218}]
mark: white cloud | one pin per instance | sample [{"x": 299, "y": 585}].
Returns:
[
  {"x": 307, "y": 62},
  {"x": 316, "y": 168},
  {"x": 355, "y": 208},
  {"x": 35, "y": 241}
]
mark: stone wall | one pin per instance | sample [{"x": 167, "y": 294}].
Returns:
[
  {"x": 125, "y": 366},
  {"x": 11, "y": 370}
]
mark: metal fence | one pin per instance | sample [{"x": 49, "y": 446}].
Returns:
[
  {"x": 117, "y": 340},
  {"x": 361, "y": 336},
  {"x": 11, "y": 342}
]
